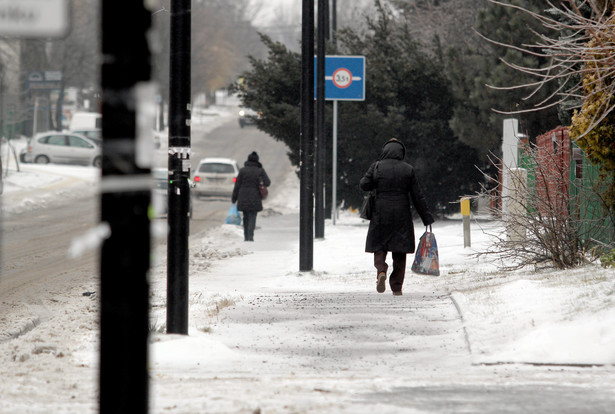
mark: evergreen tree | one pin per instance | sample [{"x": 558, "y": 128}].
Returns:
[
  {"x": 472, "y": 70},
  {"x": 407, "y": 96}
]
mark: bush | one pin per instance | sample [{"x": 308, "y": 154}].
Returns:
[{"x": 608, "y": 259}]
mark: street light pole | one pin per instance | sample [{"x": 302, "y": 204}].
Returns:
[
  {"x": 306, "y": 193},
  {"x": 179, "y": 169}
]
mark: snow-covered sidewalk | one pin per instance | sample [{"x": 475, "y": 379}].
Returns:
[{"x": 264, "y": 335}]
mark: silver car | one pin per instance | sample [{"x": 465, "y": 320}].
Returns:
[
  {"x": 215, "y": 177},
  {"x": 64, "y": 147}
]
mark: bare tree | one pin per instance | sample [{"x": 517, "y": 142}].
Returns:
[
  {"x": 452, "y": 22},
  {"x": 284, "y": 25},
  {"x": 579, "y": 45},
  {"x": 222, "y": 37}
]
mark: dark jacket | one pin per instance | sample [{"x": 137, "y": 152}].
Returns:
[
  {"x": 397, "y": 190},
  {"x": 246, "y": 193}
]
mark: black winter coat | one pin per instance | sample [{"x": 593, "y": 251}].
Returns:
[
  {"x": 397, "y": 190},
  {"x": 246, "y": 193}
]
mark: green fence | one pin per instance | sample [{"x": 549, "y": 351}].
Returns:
[{"x": 596, "y": 223}]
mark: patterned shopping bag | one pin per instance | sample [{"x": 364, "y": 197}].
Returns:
[{"x": 426, "y": 260}]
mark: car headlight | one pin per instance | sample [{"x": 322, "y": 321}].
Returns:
[{"x": 242, "y": 113}]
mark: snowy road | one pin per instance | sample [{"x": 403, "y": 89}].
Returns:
[{"x": 41, "y": 223}]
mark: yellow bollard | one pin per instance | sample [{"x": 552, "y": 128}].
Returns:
[{"x": 465, "y": 214}]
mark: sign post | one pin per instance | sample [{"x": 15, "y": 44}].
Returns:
[{"x": 344, "y": 81}]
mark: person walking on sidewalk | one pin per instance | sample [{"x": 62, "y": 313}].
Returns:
[
  {"x": 247, "y": 194},
  {"x": 391, "y": 228}
]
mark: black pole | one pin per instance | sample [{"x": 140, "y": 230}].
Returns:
[
  {"x": 125, "y": 199},
  {"x": 319, "y": 190},
  {"x": 327, "y": 21},
  {"x": 333, "y": 21},
  {"x": 306, "y": 202},
  {"x": 179, "y": 169}
]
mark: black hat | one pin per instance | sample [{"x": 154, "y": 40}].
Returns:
[{"x": 253, "y": 157}]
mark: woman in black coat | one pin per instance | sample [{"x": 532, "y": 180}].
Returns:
[
  {"x": 391, "y": 228},
  {"x": 247, "y": 195}
]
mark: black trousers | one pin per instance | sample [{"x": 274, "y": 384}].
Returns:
[
  {"x": 249, "y": 224},
  {"x": 396, "y": 279}
]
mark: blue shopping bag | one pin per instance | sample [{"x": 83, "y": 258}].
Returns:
[
  {"x": 233, "y": 216},
  {"x": 426, "y": 261}
]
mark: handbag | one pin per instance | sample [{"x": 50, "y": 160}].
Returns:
[
  {"x": 368, "y": 206},
  {"x": 233, "y": 216},
  {"x": 426, "y": 261},
  {"x": 369, "y": 202},
  {"x": 262, "y": 188}
]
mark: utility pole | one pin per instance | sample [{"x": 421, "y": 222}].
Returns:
[
  {"x": 321, "y": 142},
  {"x": 179, "y": 169},
  {"x": 125, "y": 199},
  {"x": 306, "y": 193}
]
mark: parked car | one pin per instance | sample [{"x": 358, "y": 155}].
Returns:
[
  {"x": 63, "y": 147},
  {"x": 247, "y": 117},
  {"x": 215, "y": 177},
  {"x": 160, "y": 196}
]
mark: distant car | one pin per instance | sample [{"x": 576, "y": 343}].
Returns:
[
  {"x": 85, "y": 120},
  {"x": 63, "y": 147},
  {"x": 160, "y": 196},
  {"x": 247, "y": 117},
  {"x": 215, "y": 177}
]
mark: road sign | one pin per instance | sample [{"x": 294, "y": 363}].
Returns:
[
  {"x": 45, "y": 80},
  {"x": 344, "y": 78},
  {"x": 34, "y": 18}
]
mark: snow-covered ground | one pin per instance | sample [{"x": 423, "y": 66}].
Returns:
[{"x": 265, "y": 337}]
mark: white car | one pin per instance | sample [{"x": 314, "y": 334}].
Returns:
[
  {"x": 86, "y": 120},
  {"x": 64, "y": 147},
  {"x": 215, "y": 177}
]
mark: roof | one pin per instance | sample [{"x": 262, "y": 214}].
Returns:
[{"x": 218, "y": 159}]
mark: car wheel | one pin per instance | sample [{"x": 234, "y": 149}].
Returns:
[
  {"x": 42, "y": 159},
  {"x": 97, "y": 162}
]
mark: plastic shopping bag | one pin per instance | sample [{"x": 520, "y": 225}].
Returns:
[
  {"x": 233, "y": 216},
  {"x": 426, "y": 260}
]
